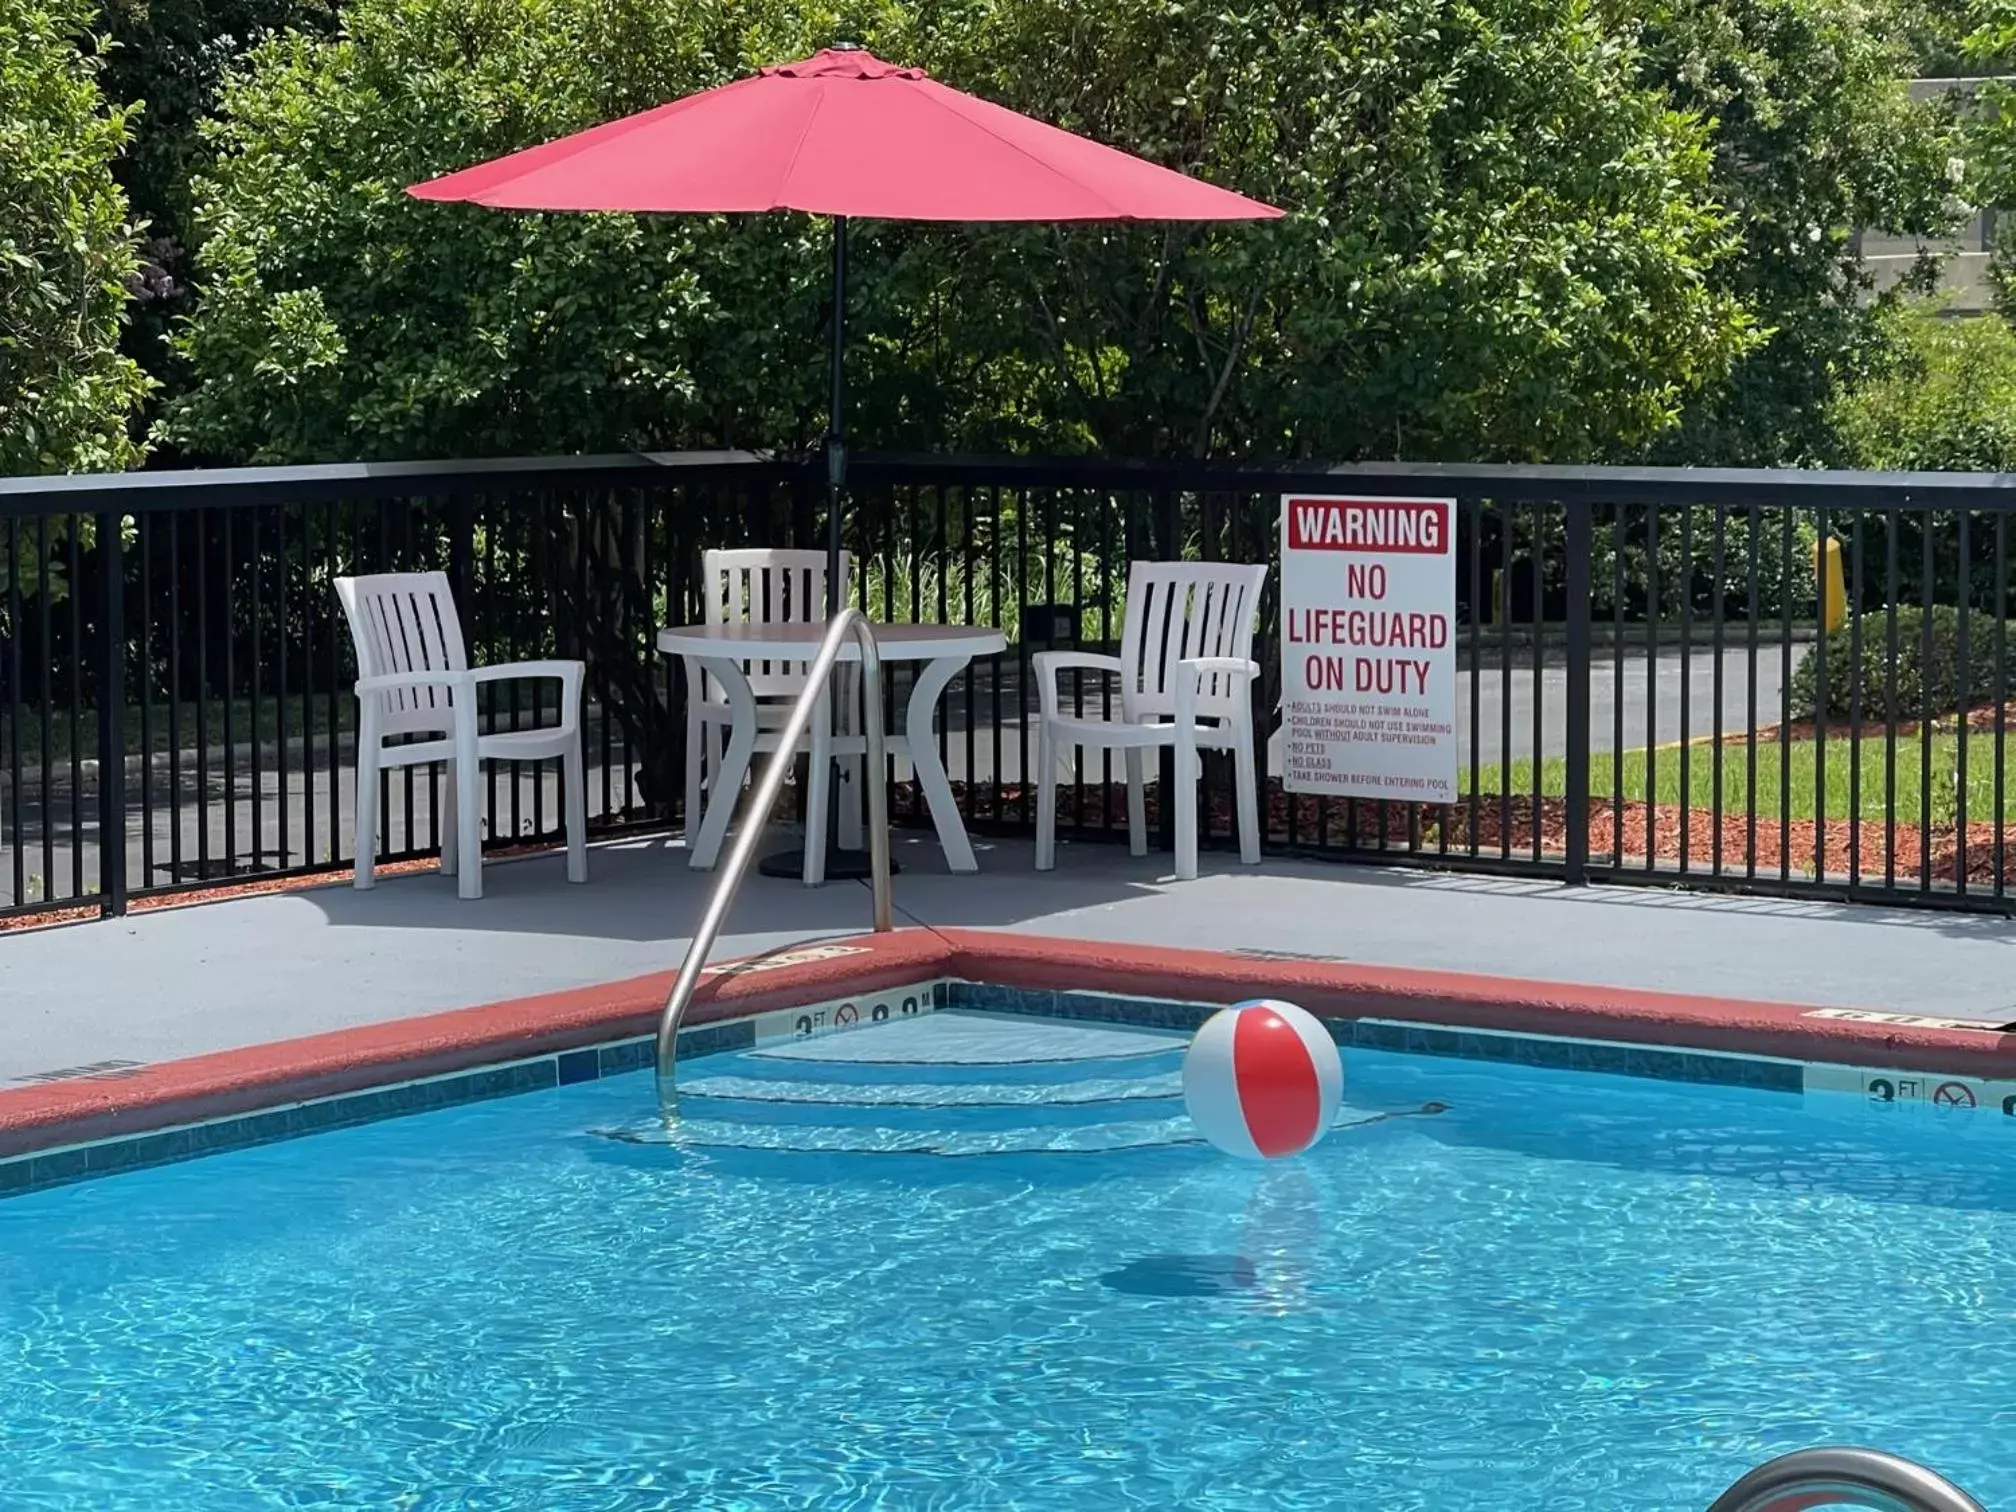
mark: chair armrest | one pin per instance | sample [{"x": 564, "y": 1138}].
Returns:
[
  {"x": 568, "y": 674},
  {"x": 1233, "y": 666},
  {"x": 1047, "y": 664},
  {"x": 1190, "y": 679},
  {"x": 467, "y": 677},
  {"x": 390, "y": 680}
]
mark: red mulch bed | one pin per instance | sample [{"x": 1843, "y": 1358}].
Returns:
[
  {"x": 1873, "y": 727},
  {"x": 1801, "y": 846},
  {"x": 1804, "y": 847}
]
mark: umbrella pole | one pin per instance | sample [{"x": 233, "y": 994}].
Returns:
[
  {"x": 836, "y": 442},
  {"x": 840, "y": 864}
]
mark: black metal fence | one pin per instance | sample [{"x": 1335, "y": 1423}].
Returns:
[{"x": 1655, "y": 682}]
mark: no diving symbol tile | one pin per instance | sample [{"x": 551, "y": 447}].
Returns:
[
  {"x": 846, "y": 1014},
  {"x": 1953, "y": 1094}
]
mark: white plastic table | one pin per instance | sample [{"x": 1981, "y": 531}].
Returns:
[{"x": 721, "y": 650}]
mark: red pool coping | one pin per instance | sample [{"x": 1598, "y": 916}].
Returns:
[{"x": 232, "y": 1082}]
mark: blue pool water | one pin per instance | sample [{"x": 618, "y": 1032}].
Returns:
[{"x": 1564, "y": 1292}]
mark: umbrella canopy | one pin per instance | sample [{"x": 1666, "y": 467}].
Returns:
[{"x": 841, "y": 133}]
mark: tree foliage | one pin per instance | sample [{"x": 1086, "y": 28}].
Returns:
[
  {"x": 1945, "y": 402},
  {"x": 1502, "y": 245},
  {"x": 342, "y": 318},
  {"x": 1815, "y": 137},
  {"x": 66, "y": 250},
  {"x": 1498, "y": 249},
  {"x": 1936, "y": 33},
  {"x": 1992, "y": 135},
  {"x": 168, "y": 59}
]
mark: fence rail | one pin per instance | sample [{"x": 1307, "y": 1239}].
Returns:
[{"x": 1650, "y": 687}]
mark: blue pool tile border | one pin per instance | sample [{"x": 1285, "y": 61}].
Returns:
[
  {"x": 565, "y": 1068},
  {"x": 1650, "y": 1062}
]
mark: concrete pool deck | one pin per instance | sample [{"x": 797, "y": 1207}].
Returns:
[{"x": 174, "y": 983}]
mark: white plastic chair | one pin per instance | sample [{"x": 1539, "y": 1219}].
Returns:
[
  {"x": 762, "y": 586},
  {"x": 415, "y": 679},
  {"x": 1186, "y": 675}
]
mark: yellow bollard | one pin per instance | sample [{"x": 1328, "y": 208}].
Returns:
[{"x": 1833, "y": 595}]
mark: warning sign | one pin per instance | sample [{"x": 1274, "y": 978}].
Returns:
[
  {"x": 1368, "y": 647},
  {"x": 1953, "y": 1094}
]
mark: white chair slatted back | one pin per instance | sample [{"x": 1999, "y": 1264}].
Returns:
[
  {"x": 768, "y": 587},
  {"x": 1180, "y": 611},
  {"x": 406, "y": 622}
]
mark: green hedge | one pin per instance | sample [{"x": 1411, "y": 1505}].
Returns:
[{"x": 1924, "y": 684}]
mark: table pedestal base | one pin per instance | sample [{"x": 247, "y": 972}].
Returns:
[
  {"x": 724, "y": 652},
  {"x": 841, "y": 865}
]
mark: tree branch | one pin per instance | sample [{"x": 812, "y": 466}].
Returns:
[
  {"x": 1242, "y": 330},
  {"x": 1059, "y": 353}
]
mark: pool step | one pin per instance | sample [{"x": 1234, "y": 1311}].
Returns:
[
  {"x": 954, "y": 1084},
  {"x": 956, "y": 1038},
  {"x": 835, "y": 1139},
  {"x": 1030, "y": 1072},
  {"x": 936, "y": 1094}
]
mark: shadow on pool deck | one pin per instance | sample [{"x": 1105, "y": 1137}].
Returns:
[{"x": 184, "y": 981}]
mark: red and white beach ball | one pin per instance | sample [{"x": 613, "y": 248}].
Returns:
[{"x": 1262, "y": 1080}]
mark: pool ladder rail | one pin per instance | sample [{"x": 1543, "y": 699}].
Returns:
[
  {"x": 848, "y": 622},
  {"x": 1813, "y": 1478}
]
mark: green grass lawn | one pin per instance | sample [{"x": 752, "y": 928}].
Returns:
[{"x": 1656, "y": 775}]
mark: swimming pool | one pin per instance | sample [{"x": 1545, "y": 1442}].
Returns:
[{"x": 1562, "y": 1290}]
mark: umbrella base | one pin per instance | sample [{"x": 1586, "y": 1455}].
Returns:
[{"x": 841, "y": 865}]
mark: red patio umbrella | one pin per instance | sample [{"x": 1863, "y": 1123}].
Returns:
[{"x": 844, "y": 134}]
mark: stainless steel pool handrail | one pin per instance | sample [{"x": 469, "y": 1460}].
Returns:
[
  {"x": 846, "y": 622},
  {"x": 1845, "y": 1478}
]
